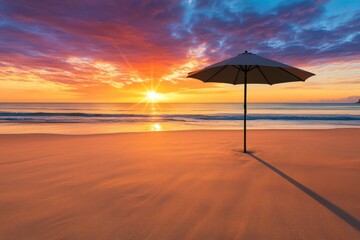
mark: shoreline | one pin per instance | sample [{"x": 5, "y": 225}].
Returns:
[{"x": 186, "y": 130}]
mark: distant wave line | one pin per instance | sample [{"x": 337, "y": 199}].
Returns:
[{"x": 62, "y": 117}]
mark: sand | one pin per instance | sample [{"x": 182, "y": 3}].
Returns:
[{"x": 296, "y": 184}]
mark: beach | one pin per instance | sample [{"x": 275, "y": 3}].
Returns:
[{"x": 294, "y": 184}]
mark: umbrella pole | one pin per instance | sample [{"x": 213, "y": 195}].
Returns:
[{"x": 245, "y": 90}]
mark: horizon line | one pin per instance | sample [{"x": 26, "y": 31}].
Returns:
[{"x": 315, "y": 102}]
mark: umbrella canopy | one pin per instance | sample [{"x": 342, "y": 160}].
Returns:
[{"x": 249, "y": 68}]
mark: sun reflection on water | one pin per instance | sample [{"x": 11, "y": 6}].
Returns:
[{"x": 156, "y": 127}]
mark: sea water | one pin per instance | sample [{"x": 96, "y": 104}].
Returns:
[{"x": 89, "y": 118}]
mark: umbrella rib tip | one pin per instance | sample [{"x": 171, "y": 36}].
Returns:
[{"x": 246, "y": 52}]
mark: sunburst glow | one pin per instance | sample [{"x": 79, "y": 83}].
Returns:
[{"x": 152, "y": 96}]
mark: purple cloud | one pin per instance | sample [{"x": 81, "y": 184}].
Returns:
[{"x": 44, "y": 34}]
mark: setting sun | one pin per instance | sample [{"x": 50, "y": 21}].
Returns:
[{"x": 153, "y": 96}]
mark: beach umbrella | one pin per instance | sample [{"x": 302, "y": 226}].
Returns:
[{"x": 249, "y": 68}]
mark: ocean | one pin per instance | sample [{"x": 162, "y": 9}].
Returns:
[{"x": 90, "y": 118}]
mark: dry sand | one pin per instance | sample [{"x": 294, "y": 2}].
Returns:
[{"x": 296, "y": 184}]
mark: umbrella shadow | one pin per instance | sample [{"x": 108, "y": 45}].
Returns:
[{"x": 348, "y": 218}]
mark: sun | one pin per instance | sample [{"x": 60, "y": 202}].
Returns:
[
  {"x": 152, "y": 96},
  {"x": 152, "y": 101}
]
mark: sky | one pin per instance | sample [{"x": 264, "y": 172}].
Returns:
[{"x": 117, "y": 51}]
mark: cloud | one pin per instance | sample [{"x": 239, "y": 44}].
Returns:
[
  {"x": 119, "y": 43},
  {"x": 350, "y": 99},
  {"x": 289, "y": 31}
]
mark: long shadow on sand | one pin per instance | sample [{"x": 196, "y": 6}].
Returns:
[{"x": 329, "y": 205}]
